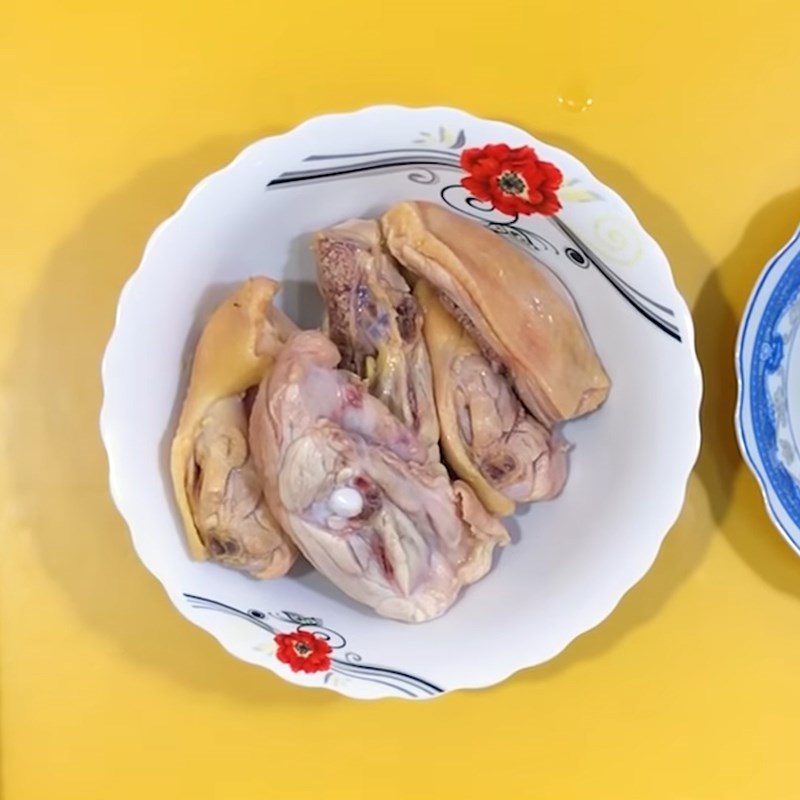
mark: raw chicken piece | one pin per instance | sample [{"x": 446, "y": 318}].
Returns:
[
  {"x": 217, "y": 488},
  {"x": 374, "y": 321},
  {"x": 353, "y": 487},
  {"x": 488, "y": 437},
  {"x": 522, "y": 318}
]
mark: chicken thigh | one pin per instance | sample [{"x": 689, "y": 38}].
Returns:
[
  {"x": 488, "y": 437},
  {"x": 355, "y": 489}
]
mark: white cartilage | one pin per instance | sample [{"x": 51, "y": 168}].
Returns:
[{"x": 346, "y": 502}]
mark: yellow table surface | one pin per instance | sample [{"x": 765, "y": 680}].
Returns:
[{"x": 110, "y": 112}]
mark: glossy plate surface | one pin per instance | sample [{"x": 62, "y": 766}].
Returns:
[{"x": 571, "y": 559}]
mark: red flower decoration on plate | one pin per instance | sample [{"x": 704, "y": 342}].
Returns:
[
  {"x": 303, "y": 651},
  {"x": 514, "y": 179}
]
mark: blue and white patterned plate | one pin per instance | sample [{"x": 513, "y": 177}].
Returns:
[{"x": 768, "y": 369}]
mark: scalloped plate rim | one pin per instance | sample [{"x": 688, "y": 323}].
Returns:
[
  {"x": 744, "y": 437},
  {"x": 689, "y": 452}
]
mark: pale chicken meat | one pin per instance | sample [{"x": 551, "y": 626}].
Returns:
[
  {"x": 488, "y": 437},
  {"x": 522, "y": 318},
  {"x": 217, "y": 488},
  {"x": 375, "y": 322},
  {"x": 356, "y": 490}
]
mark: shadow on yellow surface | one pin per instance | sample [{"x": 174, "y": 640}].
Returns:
[
  {"x": 64, "y": 500},
  {"x": 685, "y": 547},
  {"x": 717, "y": 311},
  {"x": 83, "y": 541}
]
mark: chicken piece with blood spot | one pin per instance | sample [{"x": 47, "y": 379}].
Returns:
[
  {"x": 419, "y": 538},
  {"x": 374, "y": 320}
]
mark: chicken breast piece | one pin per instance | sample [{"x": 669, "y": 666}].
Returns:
[
  {"x": 354, "y": 488},
  {"x": 488, "y": 437},
  {"x": 217, "y": 489},
  {"x": 374, "y": 321},
  {"x": 517, "y": 311}
]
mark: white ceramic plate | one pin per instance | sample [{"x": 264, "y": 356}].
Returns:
[
  {"x": 768, "y": 368},
  {"x": 571, "y": 560}
]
